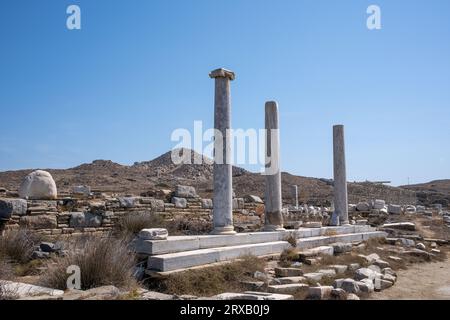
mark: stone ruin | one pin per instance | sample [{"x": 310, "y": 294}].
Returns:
[{"x": 40, "y": 208}]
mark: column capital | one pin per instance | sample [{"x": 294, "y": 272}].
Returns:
[{"x": 222, "y": 73}]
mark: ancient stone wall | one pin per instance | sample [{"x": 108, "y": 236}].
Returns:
[{"x": 100, "y": 215}]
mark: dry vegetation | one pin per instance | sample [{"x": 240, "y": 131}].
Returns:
[
  {"x": 210, "y": 281},
  {"x": 102, "y": 261},
  {"x": 18, "y": 245},
  {"x": 132, "y": 224}
]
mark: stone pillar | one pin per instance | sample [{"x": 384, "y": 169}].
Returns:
[
  {"x": 295, "y": 195},
  {"x": 223, "y": 185},
  {"x": 340, "y": 177},
  {"x": 273, "y": 214}
]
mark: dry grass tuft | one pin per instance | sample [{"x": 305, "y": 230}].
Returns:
[
  {"x": 292, "y": 240},
  {"x": 102, "y": 261},
  {"x": 18, "y": 245},
  {"x": 211, "y": 280},
  {"x": 132, "y": 224},
  {"x": 288, "y": 256}
]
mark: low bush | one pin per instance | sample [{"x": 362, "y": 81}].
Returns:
[
  {"x": 102, "y": 261},
  {"x": 18, "y": 245},
  {"x": 211, "y": 280}
]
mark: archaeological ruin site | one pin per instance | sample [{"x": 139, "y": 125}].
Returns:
[
  {"x": 224, "y": 159},
  {"x": 213, "y": 231}
]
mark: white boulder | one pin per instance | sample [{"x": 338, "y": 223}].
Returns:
[
  {"x": 153, "y": 234},
  {"x": 38, "y": 185},
  {"x": 378, "y": 204},
  {"x": 394, "y": 209},
  {"x": 363, "y": 206}
]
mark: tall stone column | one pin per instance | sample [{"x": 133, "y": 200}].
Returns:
[
  {"x": 273, "y": 214},
  {"x": 295, "y": 195},
  {"x": 340, "y": 176},
  {"x": 223, "y": 185}
]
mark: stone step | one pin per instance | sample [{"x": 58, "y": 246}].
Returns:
[
  {"x": 192, "y": 258},
  {"x": 175, "y": 244},
  {"x": 187, "y": 259},
  {"x": 313, "y": 242}
]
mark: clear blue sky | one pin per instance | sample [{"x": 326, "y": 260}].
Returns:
[{"x": 137, "y": 70}]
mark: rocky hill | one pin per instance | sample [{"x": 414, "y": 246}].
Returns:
[
  {"x": 437, "y": 191},
  {"x": 161, "y": 172}
]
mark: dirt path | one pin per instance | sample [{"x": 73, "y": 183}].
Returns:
[{"x": 425, "y": 281}]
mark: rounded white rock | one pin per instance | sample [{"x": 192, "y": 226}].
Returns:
[{"x": 38, "y": 185}]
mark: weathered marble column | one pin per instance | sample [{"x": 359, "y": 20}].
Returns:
[
  {"x": 295, "y": 195},
  {"x": 340, "y": 176},
  {"x": 273, "y": 214},
  {"x": 223, "y": 185}
]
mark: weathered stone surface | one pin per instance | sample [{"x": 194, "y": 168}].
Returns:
[
  {"x": 238, "y": 203},
  {"x": 407, "y": 242},
  {"x": 410, "y": 226},
  {"x": 312, "y": 225},
  {"x": 288, "y": 272},
  {"x": 254, "y": 285},
  {"x": 290, "y": 280},
  {"x": 47, "y": 246},
  {"x": 338, "y": 283},
  {"x": 340, "y": 175},
  {"x": 82, "y": 190},
  {"x": 39, "y": 222},
  {"x": 381, "y": 284},
  {"x": 350, "y": 286},
  {"x": 421, "y": 246},
  {"x": 320, "y": 293},
  {"x": 379, "y": 204},
  {"x": 420, "y": 209},
  {"x": 340, "y": 269},
  {"x": 155, "y": 296},
  {"x": 363, "y": 206},
  {"x": 251, "y": 295},
  {"x": 99, "y": 293},
  {"x": 157, "y": 205},
  {"x": 341, "y": 247},
  {"x": 375, "y": 268},
  {"x": 313, "y": 276},
  {"x": 352, "y": 296},
  {"x": 253, "y": 199},
  {"x": 287, "y": 288},
  {"x": 338, "y": 294},
  {"x": 273, "y": 205},
  {"x": 23, "y": 290},
  {"x": 394, "y": 209},
  {"x": 327, "y": 272},
  {"x": 40, "y": 255},
  {"x": 185, "y": 192},
  {"x": 179, "y": 202},
  {"x": 207, "y": 204},
  {"x": 85, "y": 220},
  {"x": 128, "y": 202},
  {"x": 394, "y": 258},
  {"x": 365, "y": 273},
  {"x": 354, "y": 266},
  {"x": 381, "y": 263},
  {"x": 153, "y": 234},
  {"x": 366, "y": 286},
  {"x": 389, "y": 277},
  {"x": 371, "y": 258},
  {"x": 38, "y": 185},
  {"x": 10, "y": 207}
]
